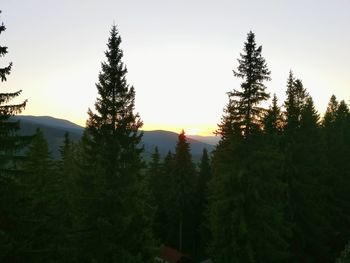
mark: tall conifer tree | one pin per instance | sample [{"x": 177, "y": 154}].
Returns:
[
  {"x": 202, "y": 233},
  {"x": 246, "y": 190},
  {"x": 10, "y": 145},
  {"x": 253, "y": 70},
  {"x": 295, "y": 102},
  {"x": 304, "y": 174},
  {"x": 182, "y": 196},
  {"x": 336, "y": 127},
  {"x": 273, "y": 119},
  {"x": 158, "y": 187},
  {"x": 40, "y": 187},
  {"x": 117, "y": 218}
]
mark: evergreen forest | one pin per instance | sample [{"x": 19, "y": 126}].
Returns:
[{"x": 276, "y": 188}]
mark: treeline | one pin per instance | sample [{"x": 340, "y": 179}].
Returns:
[
  {"x": 281, "y": 178},
  {"x": 275, "y": 189}
]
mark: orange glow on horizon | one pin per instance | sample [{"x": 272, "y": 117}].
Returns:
[
  {"x": 190, "y": 129},
  {"x": 195, "y": 129}
]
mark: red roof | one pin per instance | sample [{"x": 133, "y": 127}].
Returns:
[{"x": 171, "y": 255}]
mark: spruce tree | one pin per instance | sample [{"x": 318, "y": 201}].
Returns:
[
  {"x": 331, "y": 113},
  {"x": 115, "y": 215},
  {"x": 182, "y": 197},
  {"x": 336, "y": 125},
  {"x": 202, "y": 233},
  {"x": 246, "y": 191},
  {"x": 10, "y": 142},
  {"x": 66, "y": 201},
  {"x": 158, "y": 189},
  {"x": 273, "y": 119},
  {"x": 40, "y": 189},
  {"x": 10, "y": 146},
  {"x": 305, "y": 177},
  {"x": 253, "y": 70},
  {"x": 295, "y": 102},
  {"x": 168, "y": 163},
  {"x": 167, "y": 222}
]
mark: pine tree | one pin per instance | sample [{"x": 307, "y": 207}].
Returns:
[
  {"x": 253, "y": 70},
  {"x": 305, "y": 176},
  {"x": 168, "y": 163},
  {"x": 204, "y": 176},
  {"x": 336, "y": 126},
  {"x": 330, "y": 115},
  {"x": 66, "y": 201},
  {"x": 295, "y": 102},
  {"x": 157, "y": 183},
  {"x": 247, "y": 190},
  {"x": 40, "y": 188},
  {"x": 182, "y": 197},
  {"x": 273, "y": 119},
  {"x": 246, "y": 204},
  {"x": 10, "y": 145},
  {"x": 309, "y": 118},
  {"x": 115, "y": 215}
]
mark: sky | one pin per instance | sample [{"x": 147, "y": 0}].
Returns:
[{"x": 180, "y": 54}]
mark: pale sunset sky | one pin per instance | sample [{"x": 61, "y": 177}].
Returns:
[{"x": 179, "y": 54}]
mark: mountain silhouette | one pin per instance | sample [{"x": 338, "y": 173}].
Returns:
[{"x": 54, "y": 130}]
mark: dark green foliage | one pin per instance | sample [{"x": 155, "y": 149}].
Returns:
[
  {"x": 331, "y": 113},
  {"x": 10, "y": 146},
  {"x": 115, "y": 219},
  {"x": 305, "y": 168},
  {"x": 295, "y": 102},
  {"x": 202, "y": 234},
  {"x": 66, "y": 202},
  {"x": 345, "y": 255},
  {"x": 247, "y": 190},
  {"x": 158, "y": 182},
  {"x": 253, "y": 70},
  {"x": 181, "y": 197},
  {"x": 246, "y": 205},
  {"x": 275, "y": 189},
  {"x": 273, "y": 121},
  {"x": 173, "y": 185},
  {"x": 40, "y": 195},
  {"x": 10, "y": 142},
  {"x": 336, "y": 124},
  {"x": 164, "y": 219}
]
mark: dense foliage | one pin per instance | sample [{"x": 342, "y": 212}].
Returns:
[{"x": 275, "y": 189}]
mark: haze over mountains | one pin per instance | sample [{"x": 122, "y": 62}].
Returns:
[{"x": 54, "y": 130}]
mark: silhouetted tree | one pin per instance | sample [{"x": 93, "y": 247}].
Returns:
[
  {"x": 66, "y": 201},
  {"x": 40, "y": 188},
  {"x": 181, "y": 197},
  {"x": 10, "y": 146},
  {"x": 253, "y": 70},
  {"x": 204, "y": 176},
  {"x": 331, "y": 113},
  {"x": 246, "y": 209},
  {"x": 167, "y": 223},
  {"x": 273, "y": 120},
  {"x": 336, "y": 129},
  {"x": 295, "y": 102},
  {"x": 157, "y": 182},
  {"x": 115, "y": 215},
  {"x": 305, "y": 168}
]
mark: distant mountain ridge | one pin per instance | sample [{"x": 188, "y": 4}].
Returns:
[
  {"x": 49, "y": 121},
  {"x": 212, "y": 140},
  {"x": 54, "y": 130}
]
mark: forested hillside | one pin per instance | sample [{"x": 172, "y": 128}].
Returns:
[
  {"x": 54, "y": 130},
  {"x": 276, "y": 188}
]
